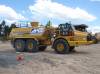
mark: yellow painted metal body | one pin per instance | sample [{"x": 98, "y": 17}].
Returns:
[
  {"x": 79, "y": 37},
  {"x": 25, "y": 33}
]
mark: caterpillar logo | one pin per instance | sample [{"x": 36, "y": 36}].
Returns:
[{"x": 37, "y": 31}]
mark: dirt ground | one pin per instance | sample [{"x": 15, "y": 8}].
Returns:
[{"x": 86, "y": 60}]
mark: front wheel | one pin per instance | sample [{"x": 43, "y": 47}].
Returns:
[{"x": 61, "y": 46}]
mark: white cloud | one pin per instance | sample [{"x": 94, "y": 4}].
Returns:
[
  {"x": 10, "y": 14},
  {"x": 50, "y": 9},
  {"x": 94, "y": 29}
]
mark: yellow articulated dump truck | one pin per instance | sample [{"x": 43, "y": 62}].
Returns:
[{"x": 63, "y": 39}]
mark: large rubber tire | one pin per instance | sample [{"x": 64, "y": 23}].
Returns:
[
  {"x": 19, "y": 45},
  {"x": 65, "y": 45},
  {"x": 42, "y": 48},
  {"x": 31, "y": 45},
  {"x": 72, "y": 48}
]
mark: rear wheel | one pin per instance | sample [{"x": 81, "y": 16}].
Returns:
[
  {"x": 42, "y": 48},
  {"x": 19, "y": 45},
  {"x": 61, "y": 46},
  {"x": 32, "y": 45}
]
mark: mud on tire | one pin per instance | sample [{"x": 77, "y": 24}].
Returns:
[{"x": 31, "y": 45}]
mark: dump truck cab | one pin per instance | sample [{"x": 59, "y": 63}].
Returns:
[
  {"x": 76, "y": 33},
  {"x": 67, "y": 37}
]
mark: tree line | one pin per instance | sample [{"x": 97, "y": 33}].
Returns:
[{"x": 5, "y": 30}]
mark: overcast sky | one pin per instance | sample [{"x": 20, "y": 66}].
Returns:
[{"x": 58, "y": 11}]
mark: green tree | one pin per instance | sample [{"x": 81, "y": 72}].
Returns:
[
  {"x": 49, "y": 24},
  {"x": 2, "y": 25},
  {"x": 6, "y": 30},
  {"x": 12, "y": 26}
]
